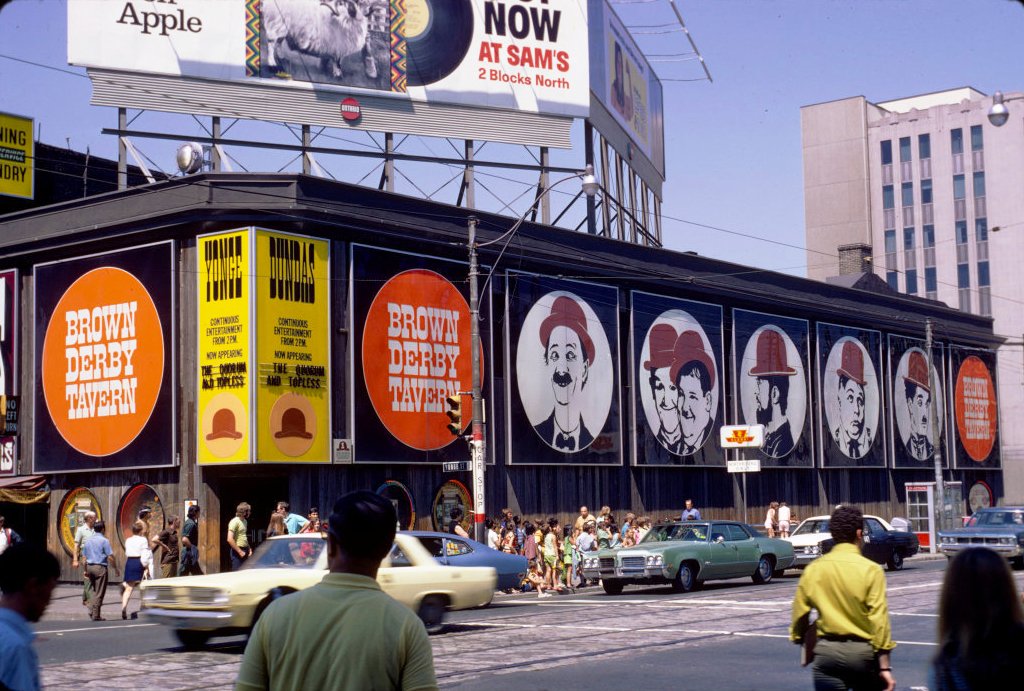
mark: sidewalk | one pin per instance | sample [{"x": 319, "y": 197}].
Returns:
[{"x": 66, "y": 603}]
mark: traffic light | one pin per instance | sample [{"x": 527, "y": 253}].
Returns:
[{"x": 454, "y": 414}]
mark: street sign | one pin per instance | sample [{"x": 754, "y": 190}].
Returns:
[
  {"x": 455, "y": 466},
  {"x": 752, "y": 465},
  {"x": 742, "y": 436},
  {"x": 342, "y": 451}
]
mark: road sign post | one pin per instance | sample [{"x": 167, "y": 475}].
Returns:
[{"x": 743, "y": 437}]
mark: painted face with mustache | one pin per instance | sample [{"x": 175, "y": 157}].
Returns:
[{"x": 567, "y": 364}]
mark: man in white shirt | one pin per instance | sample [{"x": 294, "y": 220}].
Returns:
[{"x": 783, "y": 515}]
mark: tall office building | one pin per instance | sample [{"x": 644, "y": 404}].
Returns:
[{"x": 917, "y": 188}]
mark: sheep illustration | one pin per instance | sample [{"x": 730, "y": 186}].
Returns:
[{"x": 328, "y": 31}]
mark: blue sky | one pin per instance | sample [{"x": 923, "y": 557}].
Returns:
[{"x": 732, "y": 145}]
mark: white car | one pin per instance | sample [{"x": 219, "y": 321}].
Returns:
[
  {"x": 807, "y": 539},
  {"x": 884, "y": 542}
]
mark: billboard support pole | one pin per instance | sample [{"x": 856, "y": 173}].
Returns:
[
  {"x": 588, "y": 155},
  {"x": 940, "y": 493},
  {"x": 545, "y": 202},
  {"x": 306, "y": 167},
  {"x": 215, "y": 149},
  {"x": 476, "y": 444},
  {"x": 389, "y": 162},
  {"x": 122, "y": 150}
]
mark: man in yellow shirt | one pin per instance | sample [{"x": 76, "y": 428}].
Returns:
[
  {"x": 848, "y": 592},
  {"x": 345, "y": 632}
]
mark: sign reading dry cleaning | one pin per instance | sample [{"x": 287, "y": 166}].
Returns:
[{"x": 17, "y": 159}]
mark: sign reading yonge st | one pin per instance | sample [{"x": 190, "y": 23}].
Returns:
[
  {"x": 513, "y": 54},
  {"x": 104, "y": 349}
]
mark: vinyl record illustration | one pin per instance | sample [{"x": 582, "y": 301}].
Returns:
[{"x": 437, "y": 35}]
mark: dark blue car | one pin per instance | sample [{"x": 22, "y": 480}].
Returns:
[{"x": 453, "y": 550}]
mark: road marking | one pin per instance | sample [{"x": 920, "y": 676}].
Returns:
[
  {"x": 914, "y": 614},
  {"x": 91, "y": 628},
  {"x": 930, "y": 584}
]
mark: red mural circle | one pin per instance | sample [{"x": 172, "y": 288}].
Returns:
[{"x": 975, "y": 404}]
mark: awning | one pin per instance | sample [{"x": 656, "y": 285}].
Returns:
[{"x": 24, "y": 489}]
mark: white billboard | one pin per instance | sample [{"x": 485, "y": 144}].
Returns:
[{"x": 525, "y": 55}]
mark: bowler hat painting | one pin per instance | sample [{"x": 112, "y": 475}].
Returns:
[
  {"x": 678, "y": 383},
  {"x": 564, "y": 371},
  {"x": 850, "y": 398},
  {"x": 773, "y": 389},
  {"x": 916, "y": 401}
]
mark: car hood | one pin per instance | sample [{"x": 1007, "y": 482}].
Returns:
[
  {"x": 807, "y": 539},
  {"x": 241, "y": 581}
]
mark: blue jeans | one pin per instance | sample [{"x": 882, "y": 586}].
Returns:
[{"x": 237, "y": 561}]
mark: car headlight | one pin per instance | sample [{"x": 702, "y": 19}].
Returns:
[
  {"x": 812, "y": 549},
  {"x": 1006, "y": 540},
  {"x": 655, "y": 560},
  {"x": 589, "y": 562}
]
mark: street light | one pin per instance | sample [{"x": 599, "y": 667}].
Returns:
[
  {"x": 589, "y": 187},
  {"x": 998, "y": 113}
]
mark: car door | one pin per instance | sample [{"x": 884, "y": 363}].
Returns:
[
  {"x": 747, "y": 549},
  {"x": 723, "y": 554},
  {"x": 877, "y": 545},
  {"x": 436, "y": 546}
]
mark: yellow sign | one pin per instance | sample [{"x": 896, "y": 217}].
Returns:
[
  {"x": 292, "y": 349},
  {"x": 225, "y": 318},
  {"x": 17, "y": 157}
]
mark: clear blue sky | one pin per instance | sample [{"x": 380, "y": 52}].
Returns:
[{"x": 733, "y": 146}]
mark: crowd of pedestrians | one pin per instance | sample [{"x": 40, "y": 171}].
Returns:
[{"x": 779, "y": 519}]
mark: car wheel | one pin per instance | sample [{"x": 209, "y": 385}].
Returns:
[
  {"x": 686, "y": 579},
  {"x": 765, "y": 570},
  {"x": 778, "y": 573},
  {"x": 431, "y": 612},
  {"x": 612, "y": 587},
  {"x": 192, "y": 640},
  {"x": 895, "y": 562}
]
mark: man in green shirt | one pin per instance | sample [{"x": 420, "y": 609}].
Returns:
[
  {"x": 854, "y": 636},
  {"x": 238, "y": 536},
  {"x": 345, "y": 632}
]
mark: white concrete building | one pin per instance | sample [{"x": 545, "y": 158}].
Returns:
[{"x": 933, "y": 194}]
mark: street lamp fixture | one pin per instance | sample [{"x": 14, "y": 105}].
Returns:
[
  {"x": 589, "y": 186},
  {"x": 998, "y": 113}
]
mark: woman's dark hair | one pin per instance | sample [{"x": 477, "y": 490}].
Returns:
[
  {"x": 489, "y": 523},
  {"x": 845, "y": 522},
  {"x": 980, "y": 618},
  {"x": 455, "y": 513},
  {"x": 193, "y": 511}
]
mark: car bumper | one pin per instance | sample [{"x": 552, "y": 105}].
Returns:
[
  {"x": 804, "y": 559},
  {"x": 1007, "y": 551},
  {"x": 198, "y": 620},
  {"x": 634, "y": 575}
]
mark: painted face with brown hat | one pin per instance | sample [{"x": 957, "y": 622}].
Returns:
[
  {"x": 919, "y": 394},
  {"x": 568, "y": 348},
  {"x": 772, "y": 371},
  {"x": 851, "y": 401},
  {"x": 693, "y": 370},
  {"x": 661, "y": 344}
]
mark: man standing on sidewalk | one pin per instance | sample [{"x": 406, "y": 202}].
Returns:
[
  {"x": 83, "y": 533},
  {"x": 690, "y": 513},
  {"x": 99, "y": 557},
  {"x": 238, "y": 536},
  {"x": 28, "y": 575},
  {"x": 188, "y": 564},
  {"x": 168, "y": 542},
  {"x": 853, "y": 632}
]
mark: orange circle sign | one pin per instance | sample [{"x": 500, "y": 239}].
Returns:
[
  {"x": 415, "y": 354},
  {"x": 103, "y": 361},
  {"x": 976, "y": 409}
]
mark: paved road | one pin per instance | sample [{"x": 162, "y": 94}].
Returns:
[{"x": 730, "y": 635}]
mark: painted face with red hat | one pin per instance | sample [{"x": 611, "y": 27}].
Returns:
[
  {"x": 568, "y": 354},
  {"x": 919, "y": 399},
  {"x": 693, "y": 370},
  {"x": 661, "y": 344},
  {"x": 851, "y": 435}
]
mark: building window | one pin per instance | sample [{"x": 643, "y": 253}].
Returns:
[
  {"x": 888, "y": 197},
  {"x": 979, "y": 184},
  {"x": 904, "y": 149},
  {"x": 961, "y": 232},
  {"x": 911, "y": 278},
  {"x": 981, "y": 230},
  {"x": 887, "y": 152},
  {"x": 956, "y": 141},
  {"x": 907, "y": 192},
  {"x": 908, "y": 238},
  {"x": 959, "y": 190},
  {"x": 926, "y": 191},
  {"x": 892, "y": 278},
  {"x": 963, "y": 276},
  {"x": 983, "y": 277},
  {"x": 890, "y": 241},
  {"x": 928, "y": 235},
  {"x": 931, "y": 283},
  {"x": 924, "y": 145},
  {"x": 977, "y": 143}
]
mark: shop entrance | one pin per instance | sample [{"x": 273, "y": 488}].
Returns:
[{"x": 262, "y": 493}]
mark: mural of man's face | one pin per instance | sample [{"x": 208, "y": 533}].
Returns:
[
  {"x": 567, "y": 364},
  {"x": 919, "y": 407},
  {"x": 694, "y": 408},
  {"x": 763, "y": 398},
  {"x": 666, "y": 398},
  {"x": 851, "y": 408}
]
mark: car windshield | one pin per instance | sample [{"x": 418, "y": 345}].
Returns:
[
  {"x": 673, "y": 532},
  {"x": 287, "y": 553},
  {"x": 1000, "y": 518},
  {"x": 816, "y": 525}
]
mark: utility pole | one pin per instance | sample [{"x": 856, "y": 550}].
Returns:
[
  {"x": 940, "y": 493},
  {"x": 476, "y": 443}
]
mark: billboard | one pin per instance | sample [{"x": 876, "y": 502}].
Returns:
[
  {"x": 17, "y": 157},
  {"x": 975, "y": 408},
  {"x": 917, "y": 403},
  {"x": 627, "y": 104},
  {"x": 104, "y": 350},
  {"x": 9, "y": 327},
  {"x": 530, "y": 57}
]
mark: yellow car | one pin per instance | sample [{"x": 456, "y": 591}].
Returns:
[{"x": 223, "y": 604}]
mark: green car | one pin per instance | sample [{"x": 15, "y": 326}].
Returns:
[{"x": 687, "y": 554}]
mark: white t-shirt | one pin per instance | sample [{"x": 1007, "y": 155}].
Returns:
[
  {"x": 492, "y": 540},
  {"x": 135, "y": 546},
  {"x": 783, "y": 514},
  {"x": 4, "y": 542}
]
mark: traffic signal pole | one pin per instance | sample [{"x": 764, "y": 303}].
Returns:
[{"x": 476, "y": 443}]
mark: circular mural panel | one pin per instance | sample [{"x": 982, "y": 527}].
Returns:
[
  {"x": 773, "y": 389},
  {"x": 71, "y": 514},
  {"x": 912, "y": 394},
  {"x": 850, "y": 396},
  {"x": 975, "y": 404},
  {"x": 139, "y": 497},
  {"x": 980, "y": 496},
  {"x": 450, "y": 495},
  {"x": 399, "y": 495}
]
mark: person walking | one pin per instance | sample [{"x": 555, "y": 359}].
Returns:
[
  {"x": 99, "y": 559},
  {"x": 170, "y": 555},
  {"x": 783, "y": 514},
  {"x": 690, "y": 513},
  {"x": 238, "y": 536},
  {"x": 83, "y": 532},
  {"x": 28, "y": 576},
  {"x": 135, "y": 549},
  {"x": 582, "y": 518},
  {"x": 455, "y": 524},
  {"x": 7, "y": 536},
  {"x": 188, "y": 560},
  {"x": 770, "y": 519},
  {"x": 373, "y": 640},
  {"x": 981, "y": 625},
  {"x": 854, "y": 636}
]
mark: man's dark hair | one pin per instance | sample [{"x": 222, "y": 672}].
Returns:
[
  {"x": 782, "y": 384},
  {"x": 283, "y": 505},
  {"x": 193, "y": 511},
  {"x": 455, "y": 514},
  {"x": 911, "y": 390},
  {"x": 25, "y": 561},
  {"x": 695, "y": 368},
  {"x": 100, "y": 526},
  {"x": 363, "y": 524},
  {"x": 845, "y": 522},
  {"x": 528, "y": 527}
]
